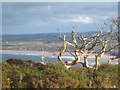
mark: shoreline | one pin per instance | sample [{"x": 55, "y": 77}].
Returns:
[
  {"x": 47, "y": 53},
  {"x": 23, "y": 52}
]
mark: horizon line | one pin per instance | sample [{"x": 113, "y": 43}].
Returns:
[{"x": 48, "y": 33}]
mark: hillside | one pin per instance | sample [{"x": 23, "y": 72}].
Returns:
[
  {"x": 35, "y": 42},
  {"x": 39, "y": 37},
  {"x": 28, "y": 74}
]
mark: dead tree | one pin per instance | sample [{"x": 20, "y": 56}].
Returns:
[
  {"x": 89, "y": 44},
  {"x": 42, "y": 61}
]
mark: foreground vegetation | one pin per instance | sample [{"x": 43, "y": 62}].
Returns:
[{"x": 28, "y": 74}]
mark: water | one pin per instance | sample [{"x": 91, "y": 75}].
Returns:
[
  {"x": 6, "y": 56},
  {"x": 25, "y": 57},
  {"x": 35, "y": 58}
]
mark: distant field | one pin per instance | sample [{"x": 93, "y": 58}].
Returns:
[
  {"x": 35, "y": 42},
  {"x": 30, "y": 45}
]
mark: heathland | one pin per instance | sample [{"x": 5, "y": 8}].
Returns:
[{"x": 28, "y": 74}]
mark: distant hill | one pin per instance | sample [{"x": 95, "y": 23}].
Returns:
[
  {"x": 45, "y": 37},
  {"x": 39, "y": 37}
]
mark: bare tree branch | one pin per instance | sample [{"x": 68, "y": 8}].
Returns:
[{"x": 88, "y": 46}]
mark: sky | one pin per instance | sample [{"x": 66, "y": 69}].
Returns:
[{"x": 47, "y": 17}]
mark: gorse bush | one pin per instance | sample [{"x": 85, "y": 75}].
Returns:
[{"x": 28, "y": 74}]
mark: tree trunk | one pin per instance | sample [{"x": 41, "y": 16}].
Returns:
[{"x": 97, "y": 62}]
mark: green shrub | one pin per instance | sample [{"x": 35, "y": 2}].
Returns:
[{"x": 35, "y": 75}]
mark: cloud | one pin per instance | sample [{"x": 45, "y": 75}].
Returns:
[
  {"x": 45, "y": 16},
  {"x": 34, "y": 13},
  {"x": 79, "y": 19},
  {"x": 16, "y": 13}
]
